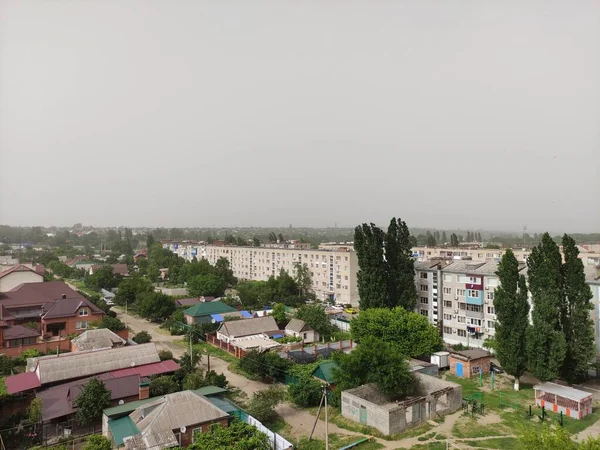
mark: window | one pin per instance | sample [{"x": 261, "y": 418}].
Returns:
[
  {"x": 423, "y": 275},
  {"x": 489, "y": 295},
  {"x": 492, "y": 281},
  {"x": 81, "y": 325},
  {"x": 491, "y": 310},
  {"x": 491, "y": 324},
  {"x": 424, "y": 300},
  {"x": 462, "y": 333},
  {"x": 460, "y": 292},
  {"x": 462, "y": 306},
  {"x": 194, "y": 432},
  {"x": 447, "y": 330},
  {"x": 447, "y": 317},
  {"x": 424, "y": 312},
  {"x": 447, "y": 277},
  {"x": 475, "y": 308},
  {"x": 473, "y": 293},
  {"x": 424, "y": 288},
  {"x": 83, "y": 312},
  {"x": 448, "y": 290},
  {"x": 447, "y": 304},
  {"x": 461, "y": 319},
  {"x": 476, "y": 322},
  {"x": 304, "y": 336},
  {"x": 475, "y": 370}
]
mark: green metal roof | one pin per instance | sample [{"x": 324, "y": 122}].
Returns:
[
  {"x": 122, "y": 428},
  {"x": 209, "y": 390},
  {"x": 324, "y": 371},
  {"x": 208, "y": 308},
  {"x": 224, "y": 404},
  {"x": 126, "y": 408}
]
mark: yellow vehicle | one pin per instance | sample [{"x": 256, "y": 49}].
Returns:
[{"x": 350, "y": 310}]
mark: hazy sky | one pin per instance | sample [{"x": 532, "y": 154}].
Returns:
[{"x": 196, "y": 113}]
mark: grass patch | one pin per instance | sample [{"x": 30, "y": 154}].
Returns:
[
  {"x": 426, "y": 437},
  {"x": 336, "y": 441},
  {"x": 440, "y": 437},
  {"x": 467, "y": 427},
  {"x": 497, "y": 443},
  {"x": 430, "y": 446}
]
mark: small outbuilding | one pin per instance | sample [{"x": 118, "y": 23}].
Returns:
[
  {"x": 324, "y": 372},
  {"x": 571, "y": 402},
  {"x": 468, "y": 363},
  {"x": 300, "y": 329}
]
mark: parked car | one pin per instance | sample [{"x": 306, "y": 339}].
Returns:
[
  {"x": 496, "y": 369},
  {"x": 350, "y": 310}
]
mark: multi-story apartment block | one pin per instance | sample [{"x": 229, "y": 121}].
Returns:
[
  {"x": 458, "y": 297},
  {"x": 332, "y": 272}
]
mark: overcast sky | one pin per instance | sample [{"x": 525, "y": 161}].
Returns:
[{"x": 473, "y": 114}]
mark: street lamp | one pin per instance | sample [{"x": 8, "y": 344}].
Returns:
[{"x": 208, "y": 356}]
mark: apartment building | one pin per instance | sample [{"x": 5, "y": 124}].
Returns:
[
  {"x": 333, "y": 272},
  {"x": 458, "y": 297}
]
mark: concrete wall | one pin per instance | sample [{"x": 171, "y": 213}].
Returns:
[{"x": 367, "y": 406}]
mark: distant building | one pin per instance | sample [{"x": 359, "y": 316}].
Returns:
[{"x": 13, "y": 276}]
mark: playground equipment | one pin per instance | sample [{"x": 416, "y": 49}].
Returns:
[{"x": 474, "y": 403}]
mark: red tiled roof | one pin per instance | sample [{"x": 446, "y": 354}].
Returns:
[
  {"x": 148, "y": 369},
  {"x": 17, "y": 268},
  {"x": 21, "y": 382}
]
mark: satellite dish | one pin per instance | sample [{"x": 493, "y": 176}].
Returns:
[
  {"x": 32, "y": 369},
  {"x": 121, "y": 402},
  {"x": 213, "y": 321},
  {"x": 132, "y": 364},
  {"x": 182, "y": 429}
]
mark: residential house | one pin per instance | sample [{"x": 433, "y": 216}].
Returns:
[
  {"x": 118, "y": 269},
  {"x": 96, "y": 339},
  {"x": 202, "y": 312},
  {"x": 235, "y": 330},
  {"x": 187, "y": 302},
  {"x": 11, "y": 277},
  {"x": 165, "y": 422},
  {"x": 299, "y": 328}
]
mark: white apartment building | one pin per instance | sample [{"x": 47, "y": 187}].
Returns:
[
  {"x": 332, "y": 272},
  {"x": 458, "y": 296}
]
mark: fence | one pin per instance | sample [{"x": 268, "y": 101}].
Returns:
[
  {"x": 307, "y": 354},
  {"x": 211, "y": 338},
  {"x": 277, "y": 441},
  {"x": 43, "y": 347}
]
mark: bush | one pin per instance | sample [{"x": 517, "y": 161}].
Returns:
[
  {"x": 263, "y": 403},
  {"x": 112, "y": 323},
  {"x": 265, "y": 365},
  {"x": 142, "y": 337},
  {"x": 165, "y": 355},
  {"x": 306, "y": 392}
]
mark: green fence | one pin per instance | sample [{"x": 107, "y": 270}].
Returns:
[{"x": 508, "y": 401}]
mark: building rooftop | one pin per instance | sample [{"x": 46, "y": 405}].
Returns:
[
  {"x": 562, "y": 391},
  {"x": 19, "y": 332},
  {"x": 21, "y": 382},
  {"x": 38, "y": 293},
  {"x": 475, "y": 353},
  {"x": 298, "y": 326},
  {"x": 248, "y": 327},
  {"x": 54, "y": 368},
  {"x": 208, "y": 308},
  {"x": 96, "y": 339},
  {"x": 17, "y": 268}
]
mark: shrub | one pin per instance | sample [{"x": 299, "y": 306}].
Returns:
[
  {"x": 142, "y": 337},
  {"x": 165, "y": 355},
  {"x": 306, "y": 392}
]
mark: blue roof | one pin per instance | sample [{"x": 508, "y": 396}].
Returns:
[
  {"x": 246, "y": 314},
  {"x": 278, "y": 335},
  {"x": 217, "y": 317}
]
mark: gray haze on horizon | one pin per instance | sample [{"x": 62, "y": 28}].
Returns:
[{"x": 466, "y": 114}]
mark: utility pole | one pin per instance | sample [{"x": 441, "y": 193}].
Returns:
[{"x": 326, "y": 422}]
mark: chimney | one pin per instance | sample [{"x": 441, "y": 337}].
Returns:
[
  {"x": 64, "y": 296},
  {"x": 144, "y": 391}
]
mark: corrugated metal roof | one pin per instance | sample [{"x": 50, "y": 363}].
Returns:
[
  {"x": 148, "y": 369},
  {"x": 324, "y": 371},
  {"x": 122, "y": 428},
  {"x": 209, "y": 390},
  {"x": 562, "y": 391},
  {"x": 127, "y": 408},
  {"x": 248, "y": 327},
  {"x": 297, "y": 326},
  {"x": 96, "y": 339},
  {"x": 81, "y": 364},
  {"x": 208, "y": 308},
  {"x": 21, "y": 382}
]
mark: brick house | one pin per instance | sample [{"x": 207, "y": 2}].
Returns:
[{"x": 468, "y": 363}]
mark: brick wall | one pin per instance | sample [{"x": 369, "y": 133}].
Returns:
[{"x": 42, "y": 347}]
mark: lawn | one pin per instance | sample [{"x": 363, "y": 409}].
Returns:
[
  {"x": 495, "y": 443},
  {"x": 336, "y": 441}
]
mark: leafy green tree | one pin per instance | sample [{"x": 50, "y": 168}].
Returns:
[
  {"x": 103, "y": 278},
  {"x": 386, "y": 267},
  {"x": 34, "y": 410},
  {"x": 444, "y": 237},
  {"x": 237, "y": 436},
  {"x": 265, "y": 365},
  {"x": 547, "y": 439},
  {"x": 98, "y": 442},
  {"x": 155, "y": 306},
  {"x": 317, "y": 319},
  {"x": 255, "y": 242},
  {"x": 165, "y": 355},
  {"x": 263, "y": 403},
  {"x": 453, "y": 240},
  {"x": 112, "y": 323},
  {"x": 430, "y": 240},
  {"x": 91, "y": 401},
  {"x": 162, "y": 386},
  {"x": 209, "y": 284},
  {"x": 143, "y": 337},
  {"x": 302, "y": 278},
  {"x": 546, "y": 344},
  {"x": 372, "y": 275},
  {"x": 306, "y": 392},
  {"x": 131, "y": 288},
  {"x": 279, "y": 313},
  {"x": 194, "y": 380},
  {"x": 512, "y": 311},
  {"x": 576, "y": 320},
  {"x": 188, "y": 364},
  {"x": 223, "y": 271},
  {"x": 412, "y": 332},
  {"x": 375, "y": 361}
]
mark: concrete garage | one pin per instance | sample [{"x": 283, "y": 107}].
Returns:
[{"x": 433, "y": 398}]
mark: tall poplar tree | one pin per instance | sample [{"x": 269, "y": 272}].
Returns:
[
  {"x": 576, "y": 321},
  {"x": 546, "y": 345},
  {"x": 444, "y": 237},
  {"x": 386, "y": 268},
  {"x": 512, "y": 312}
]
